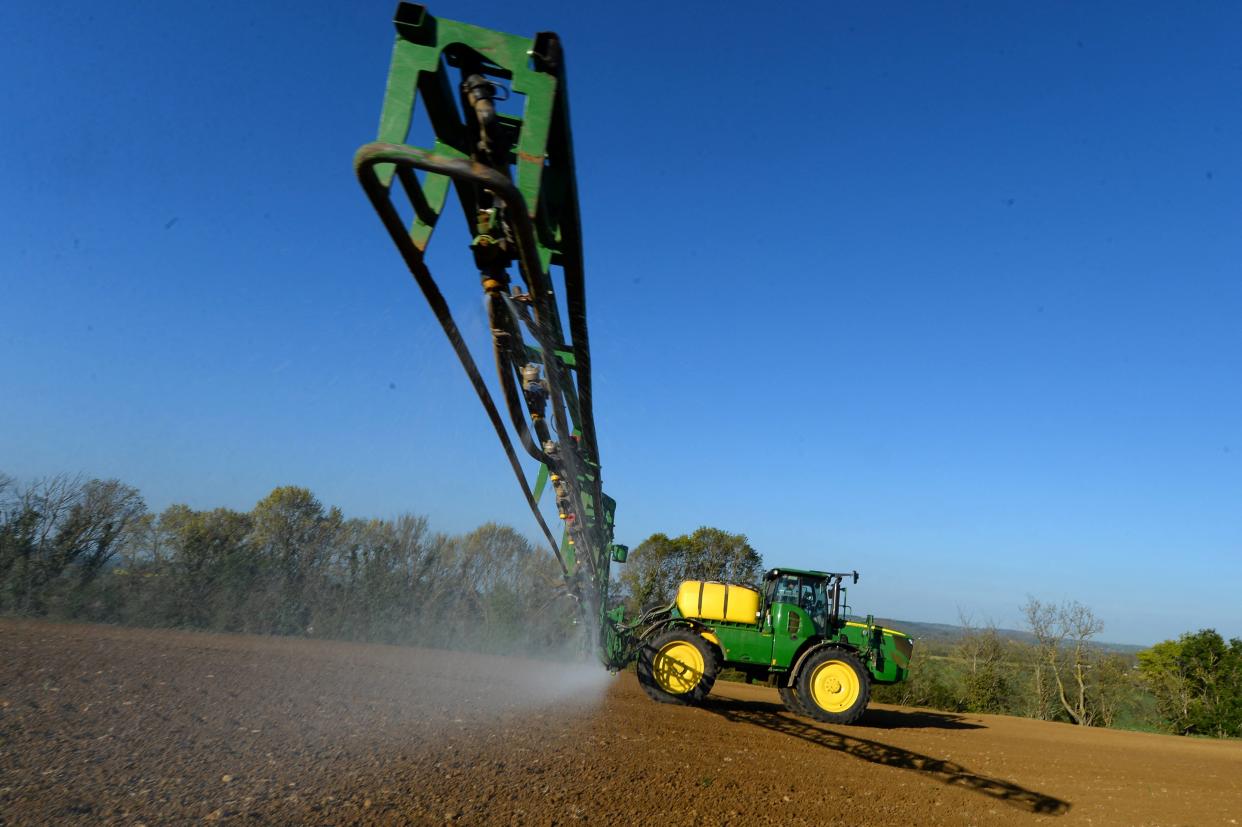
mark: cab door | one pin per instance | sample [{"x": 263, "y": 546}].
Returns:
[{"x": 790, "y": 624}]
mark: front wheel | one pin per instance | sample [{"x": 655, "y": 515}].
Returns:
[
  {"x": 789, "y": 697},
  {"x": 677, "y": 667},
  {"x": 833, "y": 686}
]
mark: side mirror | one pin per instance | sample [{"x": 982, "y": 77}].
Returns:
[{"x": 619, "y": 553}]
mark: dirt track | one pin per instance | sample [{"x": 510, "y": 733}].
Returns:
[{"x": 99, "y": 724}]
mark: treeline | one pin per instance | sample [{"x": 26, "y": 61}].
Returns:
[
  {"x": 1188, "y": 686},
  {"x": 1058, "y": 677},
  {"x": 91, "y": 550}
]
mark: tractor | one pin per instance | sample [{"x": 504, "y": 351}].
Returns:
[{"x": 791, "y": 633}]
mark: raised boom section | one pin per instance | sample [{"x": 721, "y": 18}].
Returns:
[{"x": 513, "y": 176}]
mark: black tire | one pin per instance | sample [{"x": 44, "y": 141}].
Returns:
[
  {"x": 789, "y": 697},
  {"x": 833, "y": 686},
  {"x": 669, "y": 669}
]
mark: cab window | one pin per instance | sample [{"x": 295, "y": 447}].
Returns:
[{"x": 787, "y": 589}]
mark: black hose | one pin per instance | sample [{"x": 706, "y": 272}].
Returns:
[{"x": 378, "y": 194}]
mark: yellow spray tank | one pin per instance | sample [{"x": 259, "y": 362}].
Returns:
[{"x": 709, "y": 600}]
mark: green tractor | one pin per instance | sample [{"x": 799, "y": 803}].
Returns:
[{"x": 791, "y": 634}]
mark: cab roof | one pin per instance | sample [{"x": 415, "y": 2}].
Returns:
[{"x": 779, "y": 571}]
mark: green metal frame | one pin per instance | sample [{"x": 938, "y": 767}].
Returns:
[{"x": 513, "y": 175}]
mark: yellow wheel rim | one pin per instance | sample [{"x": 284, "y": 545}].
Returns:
[
  {"x": 678, "y": 667},
  {"x": 834, "y": 686}
]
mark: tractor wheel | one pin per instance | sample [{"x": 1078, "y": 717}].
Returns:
[
  {"x": 833, "y": 686},
  {"x": 677, "y": 667},
  {"x": 789, "y": 697}
]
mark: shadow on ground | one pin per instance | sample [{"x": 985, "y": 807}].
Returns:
[
  {"x": 774, "y": 717},
  {"x": 897, "y": 719}
]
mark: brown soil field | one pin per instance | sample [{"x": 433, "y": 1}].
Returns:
[{"x": 122, "y": 726}]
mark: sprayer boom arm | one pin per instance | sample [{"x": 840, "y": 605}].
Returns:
[{"x": 513, "y": 175}]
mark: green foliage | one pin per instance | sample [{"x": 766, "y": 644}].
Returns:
[
  {"x": 1138, "y": 709},
  {"x": 660, "y": 562},
  {"x": 987, "y": 690},
  {"x": 207, "y": 570},
  {"x": 1112, "y": 688},
  {"x": 1197, "y": 682},
  {"x": 986, "y": 685},
  {"x": 985, "y": 671},
  {"x": 935, "y": 682}
]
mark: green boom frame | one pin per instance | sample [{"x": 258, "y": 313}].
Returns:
[{"x": 513, "y": 175}]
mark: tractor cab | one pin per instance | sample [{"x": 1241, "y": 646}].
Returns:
[{"x": 820, "y": 594}]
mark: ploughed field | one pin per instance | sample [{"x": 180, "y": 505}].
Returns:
[{"x": 109, "y": 725}]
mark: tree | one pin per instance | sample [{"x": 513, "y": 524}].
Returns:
[
  {"x": 660, "y": 562},
  {"x": 1114, "y": 685},
  {"x": 98, "y": 525},
  {"x": 1197, "y": 681},
  {"x": 986, "y": 685},
  {"x": 18, "y": 529},
  {"x": 1063, "y": 643},
  {"x": 58, "y": 534},
  {"x": 509, "y": 582},
  {"x": 29, "y": 560},
  {"x": 293, "y": 535},
  {"x": 211, "y": 568},
  {"x": 378, "y": 579}
]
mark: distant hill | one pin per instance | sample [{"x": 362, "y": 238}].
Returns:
[{"x": 949, "y": 633}]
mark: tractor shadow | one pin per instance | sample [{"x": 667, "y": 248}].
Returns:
[
  {"x": 896, "y": 719},
  {"x": 774, "y": 717}
]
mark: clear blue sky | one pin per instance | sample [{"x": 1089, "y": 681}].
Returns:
[{"x": 945, "y": 293}]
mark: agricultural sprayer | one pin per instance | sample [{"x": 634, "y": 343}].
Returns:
[{"x": 512, "y": 173}]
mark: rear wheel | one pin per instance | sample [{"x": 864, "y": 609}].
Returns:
[
  {"x": 833, "y": 686},
  {"x": 677, "y": 667}
]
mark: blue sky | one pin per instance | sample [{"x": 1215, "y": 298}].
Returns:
[{"x": 945, "y": 293}]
